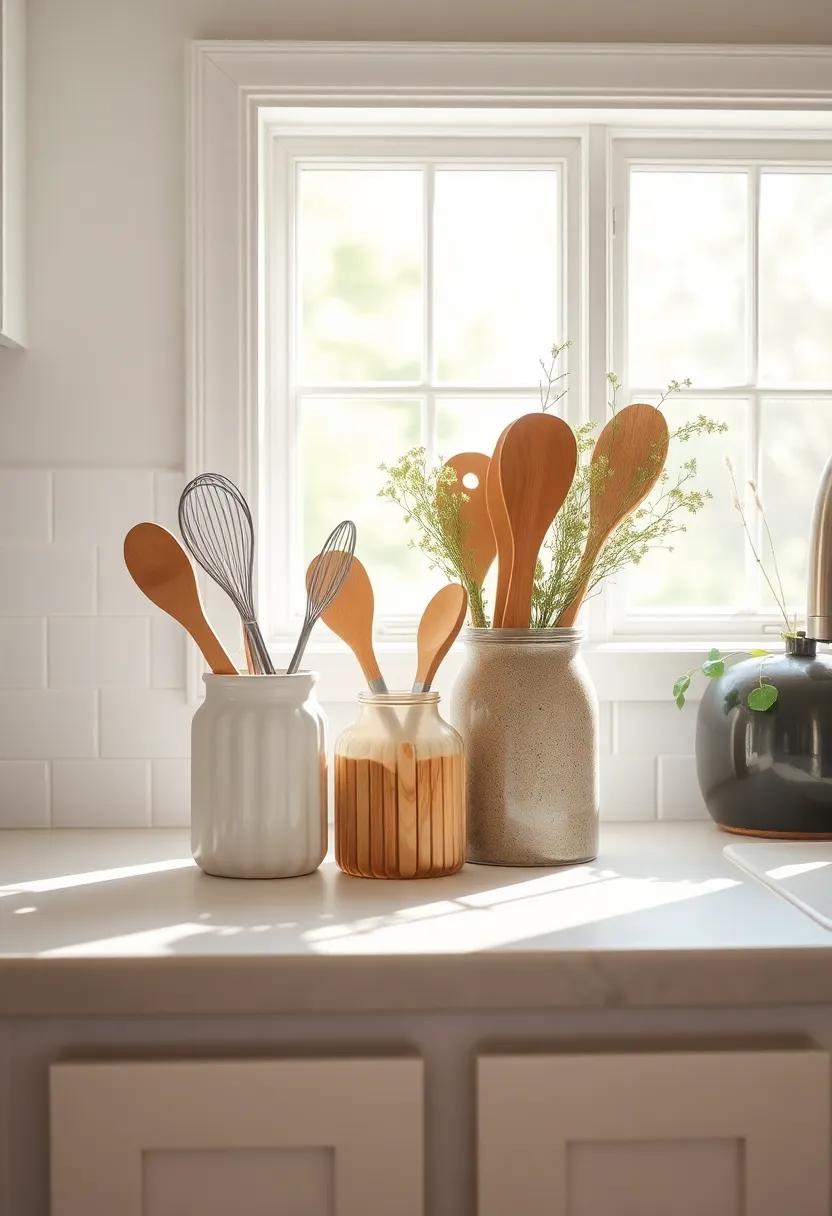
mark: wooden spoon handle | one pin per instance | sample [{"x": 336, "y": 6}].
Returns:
[
  {"x": 212, "y": 648},
  {"x": 569, "y": 614},
  {"x": 518, "y": 606}
]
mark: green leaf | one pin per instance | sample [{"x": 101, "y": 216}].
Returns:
[
  {"x": 680, "y": 700},
  {"x": 714, "y": 668},
  {"x": 713, "y": 655},
  {"x": 759, "y": 654},
  {"x": 680, "y": 688},
  {"x": 762, "y": 697}
]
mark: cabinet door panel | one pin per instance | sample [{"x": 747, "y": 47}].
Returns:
[
  {"x": 655, "y": 1177},
  {"x": 247, "y": 1182},
  {"x": 239, "y": 1137},
  {"x": 733, "y": 1133}
]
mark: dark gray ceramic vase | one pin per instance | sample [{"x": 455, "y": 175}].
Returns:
[{"x": 770, "y": 773}]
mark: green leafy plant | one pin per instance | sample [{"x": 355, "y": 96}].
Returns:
[{"x": 429, "y": 499}]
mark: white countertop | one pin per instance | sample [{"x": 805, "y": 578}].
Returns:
[{"x": 100, "y": 922}]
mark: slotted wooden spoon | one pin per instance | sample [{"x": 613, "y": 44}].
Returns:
[
  {"x": 536, "y": 464},
  {"x": 350, "y": 615},
  {"x": 480, "y": 545},
  {"x": 629, "y": 457},
  {"x": 441, "y": 622},
  {"x": 161, "y": 568}
]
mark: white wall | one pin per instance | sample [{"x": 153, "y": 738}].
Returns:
[{"x": 93, "y": 724}]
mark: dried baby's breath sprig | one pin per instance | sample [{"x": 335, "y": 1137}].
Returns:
[
  {"x": 555, "y": 387},
  {"x": 428, "y": 499}
]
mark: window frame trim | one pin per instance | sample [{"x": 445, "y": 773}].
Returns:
[
  {"x": 754, "y": 152},
  {"x": 232, "y": 83}
]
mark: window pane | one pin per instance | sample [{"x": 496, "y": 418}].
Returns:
[
  {"x": 705, "y": 569},
  {"x": 497, "y": 273},
  {"x": 796, "y": 278},
  {"x": 687, "y": 273},
  {"x": 474, "y": 424},
  {"x": 342, "y": 444},
  {"x": 796, "y": 441},
  {"x": 360, "y": 266}
]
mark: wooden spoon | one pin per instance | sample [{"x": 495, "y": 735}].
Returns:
[
  {"x": 480, "y": 545},
  {"x": 350, "y": 615},
  {"x": 628, "y": 458},
  {"x": 161, "y": 568},
  {"x": 500, "y": 528},
  {"x": 535, "y": 468},
  {"x": 441, "y": 622}
]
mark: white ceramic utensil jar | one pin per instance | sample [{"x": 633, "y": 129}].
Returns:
[
  {"x": 527, "y": 711},
  {"x": 258, "y": 777}
]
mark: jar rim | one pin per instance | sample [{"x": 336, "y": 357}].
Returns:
[
  {"x": 398, "y": 697},
  {"x": 540, "y": 637},
  {"x": 280, "y": 681}
]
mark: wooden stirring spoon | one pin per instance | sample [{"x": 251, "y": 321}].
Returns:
[
  {"x": 350, "y": 615},
  {"x": 161, "y": 568},
  {"x": 480, "y": 545},
  {"x": 536, "y": 465},
  {"x": 441, "y": 622},
  {"x": 628, "y": 459}
]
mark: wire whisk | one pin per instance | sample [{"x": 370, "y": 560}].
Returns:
[
  {"x": 327, "y": 573},
  {"x": 216, "y": 525}
]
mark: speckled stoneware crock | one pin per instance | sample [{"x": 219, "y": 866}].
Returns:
[{"x": 527, "y": 711}]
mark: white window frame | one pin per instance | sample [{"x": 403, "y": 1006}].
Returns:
[
  {"x": 752, "y": 152},
  {"x": 234, "y": 84}
]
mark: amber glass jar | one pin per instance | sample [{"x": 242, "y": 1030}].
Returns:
[{"x": 399, "y": 790}]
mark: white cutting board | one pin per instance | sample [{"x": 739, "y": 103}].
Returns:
[{"x": 799, "y": 870}]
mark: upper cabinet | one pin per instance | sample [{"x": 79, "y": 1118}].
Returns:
[{"x": 12, "y": 171}]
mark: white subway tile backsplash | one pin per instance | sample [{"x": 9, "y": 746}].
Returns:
[
  {"x": 118, "y": 595},
  {"x": 99, "y": 652},
  {"x": 628, "y": 787},
  {"x": 101, "y": 793},
  {"x": 650, "y": 728},
  {"x": 25, "y": 506},
  {"x": 101, "y": 505},
  {"x": 24, "y": 794},
  {"x": 40, "y": 723},
  {"x": 679, "y": 796},
  {"x": 22, "y": 652},
  {"x": 41, "y": 579},
  {"x": 145, "y": 723},
  {"x": 167, "y": 652},
  {"x": 171, "y": 793}
]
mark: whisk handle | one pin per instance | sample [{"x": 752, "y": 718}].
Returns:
[
  {"x": 258, "y": 648},
  {"x": 294, "y": 662}
]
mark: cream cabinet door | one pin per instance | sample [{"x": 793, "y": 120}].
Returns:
[
  {"x": 733, "y": 1133},
  {"x": 237, "y": 1138}
]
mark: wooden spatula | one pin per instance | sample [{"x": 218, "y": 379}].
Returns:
[
  {"x": 441, "y": 622},
  {"x": 536, "y": 465},
  {"x": 628, "y": 458},
  {"x": 161, "y": 568},
  {"x": 500, "y": 528},
  {"x": 480, "y": 545},
  {"x": 350, "y": 615}
]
